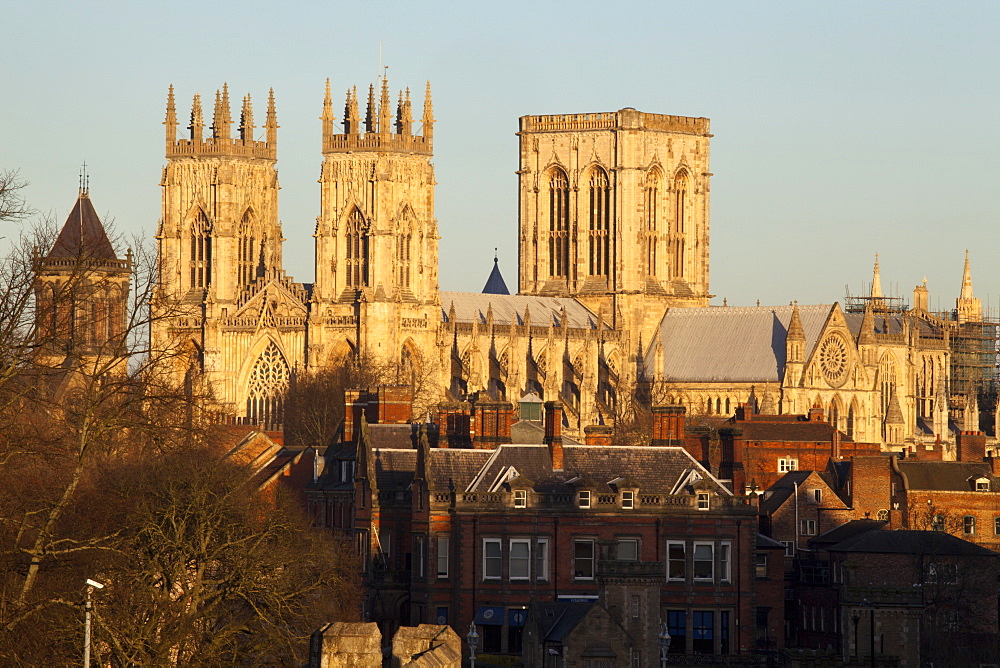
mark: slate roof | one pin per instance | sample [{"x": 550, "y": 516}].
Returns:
[
  {"x": 394, "y": 468},
  {"x": 655, "y": 470},
  {"x": 794, "y": 431},
  {"x": 83, "y": 234},
  {"x": 555, "y": 620},
  {"x": 945, "y": 476},
  {"x": 455, "y": 468},
  {"x": 509, "y": 309},
  {"x": 846, "y": 531},
  {"x": 495, "y": 284},
  {"x": 910, "y": 542},
  {"x": 731, "y": 343}
]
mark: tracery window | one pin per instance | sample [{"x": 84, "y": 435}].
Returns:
[
  {"x": 652, "y": 198},
  {"x": 558, "y": 224},
  {"x": 266, "y": 388},
  {"x": 403, "y": 259},
  {"x": 200, "y": 261},
  {"x": 679, "y": 225},
  {"x": 600, "y": 223},
  {"x": 247, "y": 251},
  {"x": 357, "y": 250}
]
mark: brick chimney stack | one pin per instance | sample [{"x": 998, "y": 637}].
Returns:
[
  {"x": 553, "y": 433},
  {"x": 816, "y": 414},
  {"x": 668, "y": 426},
  {"x": 971, "y": 446}
]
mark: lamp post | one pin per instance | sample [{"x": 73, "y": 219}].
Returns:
[
  {"x": 663, "y": 640},
  {"x": 473, "y": 639},
  {"x": 91, "y": 585}
]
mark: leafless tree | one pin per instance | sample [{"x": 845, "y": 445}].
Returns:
[{"x": 12, "y": 204}]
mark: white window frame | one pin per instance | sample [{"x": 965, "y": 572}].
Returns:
[
  {"x": 757, "y": 566},
  {"x": 789, "y": 548},
  {"x": 443, "y": 546},
  {"x": 633, "y": 541},
  {"x": 495, "y": 561},
  {"x": 520, "y": 498},
  {"x": 807, "y": 527},
  {"x": 788, "y": 464},
  {"x": 526, "y": 542},
  {"x": 725, "y": 561},
  {"x": 969, "y": 525},
  {"x": 583, "y": 498},
  {"x": 628, "y": 500},
  {"x": 673, "y": 560},
  {"x": 542, "y": 559},
  {"x": 704, "y": 501},
  {"x": 593, "y": 558},
  {"x": 695, "y": 561}
]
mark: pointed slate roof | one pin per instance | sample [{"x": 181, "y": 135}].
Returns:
[
  {"x": 495, "y": 284},
  {"x": 83, "y": 235}
]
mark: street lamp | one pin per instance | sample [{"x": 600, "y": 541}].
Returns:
[
  {"x": 473, "y": 640},
  {"x": 663, "y": 640},
  {"x": 91, "y": 585}
]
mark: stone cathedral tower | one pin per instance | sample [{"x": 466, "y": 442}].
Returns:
[
  {"x": 376, "y": 284},
  {"x": 614, "y": 211},
  {"x": 224, "y": 298}
]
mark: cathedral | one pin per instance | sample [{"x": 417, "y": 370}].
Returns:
[{"x": 613, "y": 290}]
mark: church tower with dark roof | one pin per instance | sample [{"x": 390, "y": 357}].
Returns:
[{"x": 82, "y": 288}]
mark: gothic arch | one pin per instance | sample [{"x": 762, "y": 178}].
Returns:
[
  {"x": 681, "y": 190},
  {"x": 249, "y": 248},
  {"x": 356, "y": 248},
  {"x": 835, "y": 412},
  {"x": 558, "y": 190},
  {"x": 343, "y": 351},
  {"x": 199, "y": 253},
  {"x": 649, "y": 236},
  {"x": 406, "y": 228},
  {"x": 266, "y": 381},
  {"x": 599, "y": 217}
]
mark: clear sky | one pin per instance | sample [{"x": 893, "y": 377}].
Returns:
[{"x": 842, "y": 129}]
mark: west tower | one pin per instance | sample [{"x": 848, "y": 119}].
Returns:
[
  {"x": 376, "y": 284},
  {"x": 614, "y": 210}
]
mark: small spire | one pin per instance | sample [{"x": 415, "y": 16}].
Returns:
[
  {"x": 385, "y": 109},
  {"x": 428, "y": 119},
  {"x": 967, "y": 279},
  {"x": 795, "y": 330},
  {"x": 246, "y": 120},
  {"x": 370, "y": 112},
  {"x": 171, "y": 120},
  {"x": 221, "y": 119},
  {"x": 327, "y": 116},
  {"x": 271, "y": 123},
  {"x": 352, "y": 117},
  {"x": 876, "y": 294},
  {"x": 197, "y": 122},
  {"x": 404, "y": 116}
]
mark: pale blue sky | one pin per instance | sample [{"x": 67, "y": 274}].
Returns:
[{"x": 841, "y": 129}]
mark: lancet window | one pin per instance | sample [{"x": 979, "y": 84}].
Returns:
[
  {"x": 247, "y": 252},
  {"x": 680, "y": 223},
  {"x": 403, "y": 254},
  {"x": 600, "y": 223},
  {"x": 558, "y": 224},
  {"x": 651, "y": 197},
  {"x": 357, "y": 250},
  {"x": 267, "y": 386},
  {"x": 201, "y": 251}
]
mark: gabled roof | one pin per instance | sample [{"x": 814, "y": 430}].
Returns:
[
  {"x": 495, "y": 284},
  {"x": 509, "y": 309},
  {"x": 910, "y": 542},
  {"x": 83, "y": 234},
  {"x": 792, "y": 431},
  {"x": 845, "y": 531},
  {"x": 731, "y": 343}
]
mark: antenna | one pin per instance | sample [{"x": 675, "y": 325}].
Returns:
[{"x": 84, "y": 180}]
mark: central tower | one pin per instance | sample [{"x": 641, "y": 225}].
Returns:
[
  {"x": 376, "y": 237},
  {"x": 613, "y": 210}
]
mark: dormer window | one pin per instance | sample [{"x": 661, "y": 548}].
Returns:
[
  {"x": 520, "y": 498},
  {"x": 704, "y": 501},
  {"x": 628, "y": 500},
  {"x": 818, "y": 496},
  {"x": 982, "y": 485},
  {"x": 583, "y": 498}
]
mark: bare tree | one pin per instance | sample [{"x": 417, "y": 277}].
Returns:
[{"x": 12, "y": 204}]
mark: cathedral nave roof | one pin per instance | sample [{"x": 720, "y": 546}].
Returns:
[{"x": 510, "y": 309}]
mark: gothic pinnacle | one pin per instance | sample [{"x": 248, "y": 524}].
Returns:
[
  {"x": 197, "y": 122},
  {"x": 428, "y": 119},
  {"x": 171, "y": 120},
  {"x": 327, "y": 116},
  {"x": 384, "y": 109},
  {"x": 246, "y": 120},
  {"x": 271, "y": 123},
  {"x": 967, "y": 279},
  {"x": 370, "y": 112}
]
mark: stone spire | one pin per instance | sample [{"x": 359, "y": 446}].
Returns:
[
  {"x": 877, "y": 298},
  {"x": 271, "y": 123},
  {"x": 867, "y": 333},
  {"x": 968, "y": 308},
  {"x": 246, "y": 120},
  {"x": 197, "y": 126},
  {"x": 385, "y": 109},
  {"x": 327, "y": 116},
  {"x": 404, "y": 114},
  {"x": 171, "y": 120},
  {"x": 352, "y": 117},
  {"x": 222, "y": 118},
  {"x": 370, "y": 119},
  {"x": 795, "y": 346},
  {"x": 428, "y": 119}
]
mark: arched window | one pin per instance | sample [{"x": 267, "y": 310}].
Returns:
[
  {"x": 200, "y": 261},
  {"x": 268, "y": 382},
  {"x": 834, "y": 414},
  {"x": 357, "y": 250},
  {"x": 886, "y": 386},
  {"x": 651, "y": 200},
  {"x": 679, "y": 225},
  {"x": 247, "y": 252},
  {"x": 558, "y": 224},
  {"x": 600, "y": 223},
  {"x": 403, "y": 254},
  {"x": 728, "y": 408}
]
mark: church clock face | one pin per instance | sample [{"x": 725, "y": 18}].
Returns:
[{"x": 833, "y": 360}]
